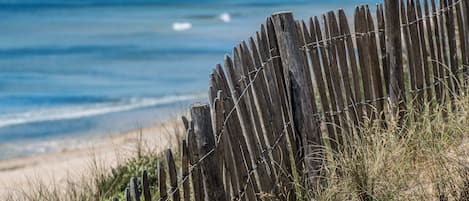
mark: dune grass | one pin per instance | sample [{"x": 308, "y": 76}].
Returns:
[{"x": 427, "y": 159}]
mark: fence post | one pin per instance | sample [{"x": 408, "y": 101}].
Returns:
[
  {"x": 134, "y": 189},
  {"x": 127, "y": 194},
  {"x": 394, "y": 57},
  {"x": 172, "y": 171},
  {"x": 185, "y": 170},
  {"x": 304, "y": 121},
  {"x": 162, "y": 181},
  {"x": 196, "y": 175},
  {"x": 145, "y": 186},
  {"x": 211, "y": 175},
  {"x": 465, "y": 11}
]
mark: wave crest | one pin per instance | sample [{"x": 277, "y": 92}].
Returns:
[{"x": 87, "y": 110}]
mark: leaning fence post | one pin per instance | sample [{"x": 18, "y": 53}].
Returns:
[
  {"x": 145, "y": 186},
  {"x": 162, "y": 180},
  {"x": 211, "y": 175},
  {"x": 134, "y": 189},
  {"x": 300, "y": 97},
  {"x": 394, "y": 57},
  {"x": 185, "y": 170},
  {"x": 172, "y": 172}
]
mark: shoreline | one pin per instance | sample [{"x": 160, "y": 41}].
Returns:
[{"x": 67, "y": 165}]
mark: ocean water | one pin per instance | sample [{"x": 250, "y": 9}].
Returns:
[{"x": 75, "y": 69}]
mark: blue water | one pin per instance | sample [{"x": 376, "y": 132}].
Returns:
[{"x": 81, "y": 68}]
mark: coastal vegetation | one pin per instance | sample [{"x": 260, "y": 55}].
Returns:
[{"x": 426, "y": 160}]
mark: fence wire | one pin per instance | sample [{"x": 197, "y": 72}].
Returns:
[
  {"x": 355, "y": 35},
  {"x": 261, "y": 158}
]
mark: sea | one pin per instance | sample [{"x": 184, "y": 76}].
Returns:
[{"x": 71, "y": 70}]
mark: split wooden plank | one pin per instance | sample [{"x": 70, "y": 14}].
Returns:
[
  {"x": 162, "y": 180},
  {"x": 277, "y": 115},
  {"x": 408, "y": 49},
  {"x": 212, "y": 177},
  {"x": 305, "y": 123},
  {"x": 321, "y": 43},
  {"x": 311, "y": 43},
  {"x": 351, "y": 47},
  {"x": 271, "y": 121},
  {"x": 436, "y": 21},
  {"x": 425, "y": 55},
  {"x": 172, "y": 173},
  {"x": 447, "y": 84},
  {"x": 259, "y": 112},
  {"x": 431, "y": 47},
  {"x": 331, "y": 31},
  {"x": 453, "y": 57},
  {"x": 237, "y": 139},
  {"x": 376, "y": 74},
  {"x": 145, "y": 184},
  {"x": 231, "y": 183},
  {"x": 415, "y": 48},
  {"x": 185, "y": 170},
  {"x": 465, "y": 13},
  {"x": 464, "y": 58},
  {"x": 394, "y": 59},
  {"x": 363, "y": 53},
  {"x": 233, "y": 134},
  {"x": 349, "y": 109},
  {"x": 382, "y": 45},
  {"x": 284, "y": 96},
  {"x": 196, "y": 174},
  {"x": 134, "y": 193},
  {"x": 217, "y": 117},
  {"x": 241, "y": 98},
  {"x": 127, "y": 194}
]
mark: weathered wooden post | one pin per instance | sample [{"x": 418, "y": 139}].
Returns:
[
  {"x": 211, "y": 175},
  {"x": 134, "y": 189},
  {"x": 162, "y": 181},
  {"x": 196, "y": 175},
  {"x": 300, "y": 97},
  {"x": 173, "y": 180},
  {"x": 185, "y": 170},
  {"x": 465, "y": 13},
  {"x": 145, "y": 186},
  {"x": 127, "y": 194},
  {"x": 394, "y": 57}
]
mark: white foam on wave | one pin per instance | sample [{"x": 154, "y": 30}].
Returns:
[
  {"x": 225, "y": 17},
  {"x": 181, "y": 26},
  {"x": 87, "y": 110}
]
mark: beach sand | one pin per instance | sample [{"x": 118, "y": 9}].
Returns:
[{"x": 70, "y": 165}]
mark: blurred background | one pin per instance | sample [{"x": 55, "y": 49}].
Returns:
[{"x": 70, "y": 69}]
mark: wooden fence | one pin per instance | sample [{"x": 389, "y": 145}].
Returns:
[{"x": 298, "y": 85}]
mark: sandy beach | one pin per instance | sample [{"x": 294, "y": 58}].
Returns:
[{"x": 67, "y": 165}]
